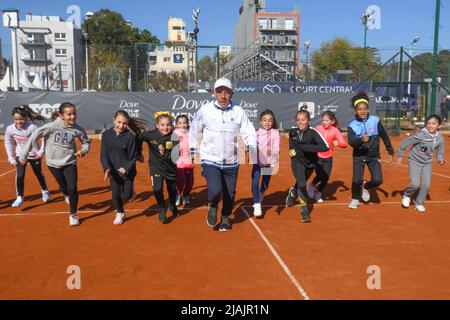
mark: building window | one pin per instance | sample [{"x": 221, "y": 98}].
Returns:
[
  {"x": 176, "y": 28},
  {"x": 273, "y": 24},
  {"x": 61, "y": 52},
  {"x": 262, "y": 22},
  {"x": 167, "y": 59},
  {"x": 60, "y": 37},
  {"x": 289, "y": 24}
]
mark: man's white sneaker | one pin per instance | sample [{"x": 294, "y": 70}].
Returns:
[
  {"x": 119, "y": 218},
  {"x": 365, "y": 195},
  {"x": 73, "y": 220},
  {"x": 311, "y": 191},
  {"x": 406, "y": 201},
  {"x": 419, "y": 207},
  {"x": 318, "y": 197},
  {"x": 17, "y": 203},
  {"x": 354, "y": 204},
  {"x": 45, "y": 196},
  {"x": 257, "y": 212}
]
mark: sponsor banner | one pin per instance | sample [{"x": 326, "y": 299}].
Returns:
[
  {"x": 96, "y": 110},
  {"x": 301, "y": 87},
  {"x": 386, "y": 97}
]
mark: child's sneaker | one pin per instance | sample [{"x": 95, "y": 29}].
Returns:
[
  {"x": 354, "y": 204},
  {"x": 178, "y": 200},
  {"x": 119, "y": 218},
  {"x": 73, "y": 220},
  {"x": 66, "y": 199},
  {"x": 257, "y": 212},
  {"x": 186, "y": 200},
  {"x": 406, "y": 201},
  {"x": 419, "y": 207},
  {"x": 365, "y": 194},
  {"x": 292, "y": 195},
  {"x": 17, "y": 203},
  {"x": 306, "y": 217},
  {"x": 311, "y": 191},
  {"x": 162, "y": 215},
  {"x": 318, "y": 197},
  {"x": 45, "y": 196}
]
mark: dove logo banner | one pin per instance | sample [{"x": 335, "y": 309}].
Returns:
[{"x": 96, "y": 110}]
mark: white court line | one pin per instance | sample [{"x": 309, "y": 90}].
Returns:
[
  {"x": 81, "y": 212},
  {"x": 277, "y": 256},
  {"x": 6, "y": 173},
  {"x": 404, "y": 166}
]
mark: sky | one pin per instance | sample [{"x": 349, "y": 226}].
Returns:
[{"x": 320, "y": 20}]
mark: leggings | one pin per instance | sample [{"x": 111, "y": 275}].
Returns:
[
  {"x": 323, "y": 172},
  {"x": 36, "y": 165},
  {"x": 185, "y": 181},
  {"x": 256, "y": 177},
  {"x": 158, "y": 182},
  {"x": 67, "y": 180},
  {"x": 374, "y": 166},
  {"x": 302, "y": 175},
  {"x": 122, "y": 190}
]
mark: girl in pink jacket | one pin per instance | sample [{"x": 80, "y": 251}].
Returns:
[
  {"x": 268, "y": 149},
  {"x": 185, "y": 167},
  {"x": 329, "y": 130}
]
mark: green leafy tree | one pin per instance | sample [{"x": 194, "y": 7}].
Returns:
[
  {"x": 175, "y": 81},
  {"x": 341, "y": 54}
]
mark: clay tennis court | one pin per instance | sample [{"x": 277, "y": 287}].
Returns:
[{"x": 275, "y": 257}]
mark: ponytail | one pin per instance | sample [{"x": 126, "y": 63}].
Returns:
[
  {"x": 136, "y": 125},
  {"x": 26, "y": 112}
]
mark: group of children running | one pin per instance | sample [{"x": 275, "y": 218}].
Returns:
[{"x": 311, "y": 151}]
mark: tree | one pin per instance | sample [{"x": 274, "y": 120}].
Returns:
[
  {"x": 206, "y": 69},
  {"x": 341, "y": 54},
  {"x": 425, "y": 60},
  {"x": 109, "y": 31},
  {"x": 175, "y": 81}
]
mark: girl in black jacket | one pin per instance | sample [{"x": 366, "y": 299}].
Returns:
[
  {"x": 304, "y": 143},
  {"x": 118, "y": 157}
]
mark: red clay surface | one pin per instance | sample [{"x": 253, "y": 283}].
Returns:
[{"x": 185, "y": 259}]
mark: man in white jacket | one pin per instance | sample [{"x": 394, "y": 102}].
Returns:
[{"x": 221, "y": 121}]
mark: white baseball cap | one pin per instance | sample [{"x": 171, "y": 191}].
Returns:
[{"x": 223, "y": 82}]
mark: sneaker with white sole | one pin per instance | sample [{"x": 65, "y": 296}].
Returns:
[
  {"x": 211, "y": 217},
  {"x": 45, "y": 196},
  {"x": 257, "y": 212},
  {"x": 119, "y": 218},
  {"x": 66, "y": 199},
  {"x": 18, "y": 202},
  {"x": 419, "y": 207},
  {"x": 406, "y": 201},
  {"x": 311, "y": 191},
  {"x": 186, "y": 200},
  {"x": 225, "y": 224},
  {"x": 73, "y": 220},
  {"x": 306, "y": 216},
  {"x": 292, "y": 195},
  {"x": 318, "y": 197},
  {"x": 354, "y": 204},
  {"x": 178, "y": 200},
  {"x": 365, "y": 194}
]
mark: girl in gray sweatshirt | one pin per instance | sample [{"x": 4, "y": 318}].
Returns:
[
  {"x": 61, "y": 153},
  {"x": 424, "y": 143}
]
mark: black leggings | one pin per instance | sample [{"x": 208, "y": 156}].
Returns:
[
  {"x": 36, "y": 165},
  {"x": 122, "y": 190},
  {"x": 323, "y": 172},
  {"x": 374, "y": 166},
  {"x": 67, "y": 178},
  {"x": 302, "y": 175},
  {"x": 158, "y": 182}
]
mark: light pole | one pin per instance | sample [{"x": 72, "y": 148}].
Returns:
[
  {"x": 416, "y": 39},
  {"x": 195, "y": 15},
  {"x": 87, "y": 59},
  {"x": 365, "y": 21},
  {"x": 306, "y": 48},
  {"x": 11, "y": 20}
]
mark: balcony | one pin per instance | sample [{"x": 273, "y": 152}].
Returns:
[
  {"x": 35, "y": 43},
  {"x": 277, "y": 42},
  {"x": 277, "y": 27},
  {"x": 28, "y": 58}
]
